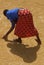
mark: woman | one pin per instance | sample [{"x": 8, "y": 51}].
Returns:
[{"x": 24, "y": 24}]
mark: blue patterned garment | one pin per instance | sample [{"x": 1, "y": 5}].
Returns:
[{"x": 12, "y": 14}]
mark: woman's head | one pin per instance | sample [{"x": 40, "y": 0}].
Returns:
[{"x": 5, "y": 11}]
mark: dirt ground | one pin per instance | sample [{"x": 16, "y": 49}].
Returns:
[{"x": 29, "y": 52}]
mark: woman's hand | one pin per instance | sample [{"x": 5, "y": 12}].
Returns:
[{"x": 5, "y": 38}]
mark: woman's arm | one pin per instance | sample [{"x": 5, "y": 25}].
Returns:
[{"x": 10, "y": 30}]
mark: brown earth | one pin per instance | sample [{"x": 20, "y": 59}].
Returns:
[{"x": 27, "y": 53}]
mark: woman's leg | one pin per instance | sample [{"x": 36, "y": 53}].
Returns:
[
  {"x": 19, "y": 40},
  {"x": 38, "y": 39}
]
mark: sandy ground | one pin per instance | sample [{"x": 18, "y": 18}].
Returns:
[{"x": 29, "y": 52}]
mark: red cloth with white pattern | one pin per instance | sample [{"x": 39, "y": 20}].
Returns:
[{"x": 25, "y": 27}]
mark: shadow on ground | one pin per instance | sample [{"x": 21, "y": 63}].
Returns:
[{"x": 28, "y": 54}]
